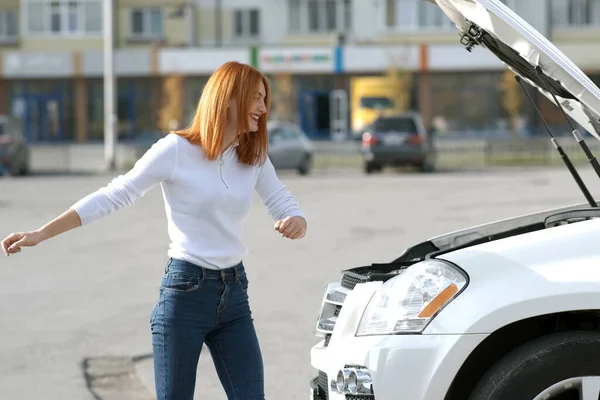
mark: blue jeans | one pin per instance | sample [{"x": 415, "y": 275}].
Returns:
[{"x": 198, "y": 305}]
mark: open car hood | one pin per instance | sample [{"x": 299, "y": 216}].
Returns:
[{"x": 492, "y": 25}]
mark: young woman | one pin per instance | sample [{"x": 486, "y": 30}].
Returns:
[{"x": 208, "y": 173}]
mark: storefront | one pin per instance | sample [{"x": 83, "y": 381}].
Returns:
[
  {"x": 40, "y": 94},
  {"x": 59, "y": 96},
  {"x": 136, "y": 107},
  {"x": 465, "y": 94}
]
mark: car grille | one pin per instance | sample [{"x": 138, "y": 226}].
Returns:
[
  {"x": 323, "y": 385},
  {"x": 376, "y": 272},
  {"x": 336, "y": 313},
  {"x": 350, "y": 281},
  {"x": 328, "y": 335}
]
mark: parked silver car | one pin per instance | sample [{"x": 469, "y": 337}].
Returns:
[
  {"x": 14, "y": 150},
  {"x": 289, "y": 147}
]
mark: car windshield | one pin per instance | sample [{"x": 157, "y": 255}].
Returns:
[
  {"x": 394, "y": 124},
  {"x": 376, "y": 102}
]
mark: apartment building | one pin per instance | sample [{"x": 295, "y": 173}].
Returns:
[{"x": 51, "y": 55}]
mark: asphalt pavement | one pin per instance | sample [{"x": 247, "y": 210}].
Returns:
[{"x": 74, "y": 311}]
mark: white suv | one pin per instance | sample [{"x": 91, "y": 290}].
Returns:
[{"x": 504, "y": 311}]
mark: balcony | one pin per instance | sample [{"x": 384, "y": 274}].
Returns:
[
  {"x": 575, "y": 20},
  {"x": 415, "y": 21},
  {"x": 8, "y": 28}
]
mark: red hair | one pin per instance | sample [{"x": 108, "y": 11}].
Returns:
[{"x": 232, "y": 80}]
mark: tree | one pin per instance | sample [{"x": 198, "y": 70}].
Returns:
[
  {"x": 512, "y": 100},
  {"x": 171, "y": 112},
  {"x": 284, "y": 101}
]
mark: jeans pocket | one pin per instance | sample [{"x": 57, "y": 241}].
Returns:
[
  {"x": 242, "y": 281},
  {"x": 153, "y": 313},
  {"x": 181, "y": 283}
]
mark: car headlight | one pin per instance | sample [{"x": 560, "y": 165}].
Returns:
[{"x": 407, "y": 302}]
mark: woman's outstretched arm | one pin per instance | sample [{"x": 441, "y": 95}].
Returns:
[
  {"x": 64, "y": 222},
  {"x": 156, "y": 165}
]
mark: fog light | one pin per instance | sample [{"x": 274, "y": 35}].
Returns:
[{"x": 359, "y": 382}]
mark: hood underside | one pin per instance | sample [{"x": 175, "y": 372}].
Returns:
[
  {"x": 489, "y": 24},
  {"x": 525, "y": 51}
]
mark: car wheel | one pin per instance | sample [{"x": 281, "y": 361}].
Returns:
[
  {"x": 19, "y": 170},
  {"x": 14, "y": 170},
  {"x": 370, "y": 167},
  {"x": 24, "y": 169},
  {"x": 426, "y": 167},
  {"x": 304, "y": 167},
  {"x": 556, "y": 366},
  {"x": 428, "y": 163}
]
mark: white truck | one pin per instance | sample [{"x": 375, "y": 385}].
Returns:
[{"x": 504, "y": 311}]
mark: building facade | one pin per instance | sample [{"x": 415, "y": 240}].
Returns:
[{"x": 51, "y": 57}]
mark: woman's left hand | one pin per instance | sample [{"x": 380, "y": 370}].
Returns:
[{"x": 291, "y": 227}]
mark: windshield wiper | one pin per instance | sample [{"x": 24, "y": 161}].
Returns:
[{"x": 563, "y": 155}]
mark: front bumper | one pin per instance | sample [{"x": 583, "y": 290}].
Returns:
[{"x": 411, "y": 367}]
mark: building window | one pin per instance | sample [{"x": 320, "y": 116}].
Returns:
[
  {"x": 415, "y": 15},
  {"x": 294, "y": 15},
  {"x": 319, "y": 16},
  {"x": 146, "y": 22},
  {"x": 246, "y": 23},
  {"x": 575, "y": 13},
  {"x": 62, "y": 17},
  {"x": 8, "y": 26}
]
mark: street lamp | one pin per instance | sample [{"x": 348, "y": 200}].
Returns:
[
  {"x": 110, "y": 118},
  {"x": 219, "y": 23}
]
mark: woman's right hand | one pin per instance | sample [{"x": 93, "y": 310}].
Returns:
[
  {"x": 64, "y": 222},
  {"x": 13, "y": 242}
]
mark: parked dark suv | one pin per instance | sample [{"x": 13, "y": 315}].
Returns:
[{"x": 397, "y": 140}]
